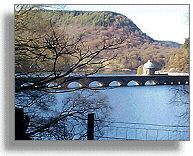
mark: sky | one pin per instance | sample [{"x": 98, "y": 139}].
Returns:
[{"x": 161, "y": 22}]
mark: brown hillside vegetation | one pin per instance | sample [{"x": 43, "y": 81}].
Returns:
[
  {"x": 179, "y": 62},
  {"x": 94, "y": 26}
]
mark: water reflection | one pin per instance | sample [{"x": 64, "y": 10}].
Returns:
[{"x": 151, "y": 105}]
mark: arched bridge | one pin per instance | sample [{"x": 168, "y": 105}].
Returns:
[{"x": 108, "y": 81}]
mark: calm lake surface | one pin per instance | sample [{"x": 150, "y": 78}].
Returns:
[
  {"x": 152, "y": 112},
  {"x": 147, "y": 113}
]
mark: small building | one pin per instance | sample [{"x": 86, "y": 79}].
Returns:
[{"x": 148, "y": 68}]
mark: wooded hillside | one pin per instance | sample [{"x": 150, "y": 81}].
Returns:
[
  {"x": 180, "y": 62},
  {"x": 94, "y": 26}
]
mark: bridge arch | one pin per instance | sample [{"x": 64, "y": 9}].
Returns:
[
  {"x": 180, "y": 82},
  {"x": 95, "y": 84},
  {"x": 173, "y": 82},
  {"x": 27, "y": 84},
  {"x": 74, "y": 85},
  {"x": 53, "y": 85},
  {"x": 151, "y": 82},
  {"x": 133, "y": 83},
  {"x": 115, "y": 84},
  {"x": 165, "y": 83}
]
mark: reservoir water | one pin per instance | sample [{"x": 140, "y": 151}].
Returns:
[
  {"x": 150, "y": 112},
  {"x": 147, "y": 112}
]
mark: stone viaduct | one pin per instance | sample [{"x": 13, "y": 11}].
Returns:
[{"x": 106, "y": 81}]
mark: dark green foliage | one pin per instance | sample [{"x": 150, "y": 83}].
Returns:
[{"x": 94, "y": 18}]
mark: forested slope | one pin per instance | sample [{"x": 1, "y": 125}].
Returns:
[{"x": 94, "y": 26}]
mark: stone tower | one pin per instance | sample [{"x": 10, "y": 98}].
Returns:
[{"x": 148, "y": 68}]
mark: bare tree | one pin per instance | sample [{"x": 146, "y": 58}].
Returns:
[
  {"x": 181, "y": 99},
  {"x": 56, "y": 55},
  {"x": 66, "y": 120}
]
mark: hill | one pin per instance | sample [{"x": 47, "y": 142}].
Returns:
[{"x": 138, "y": 48}]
